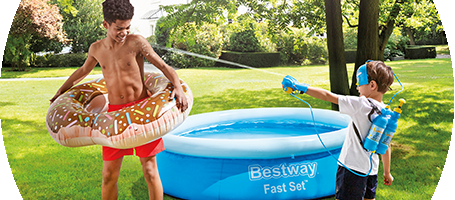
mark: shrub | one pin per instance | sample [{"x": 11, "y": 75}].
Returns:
[
  {"x": 296, "y": 47},
  {"x": 291, "y": 47},
  {"x": 161, "y": 37},
  {"x": 350, "y": 38},
  {"x": 395, "y": 47},
  {"x": 17, "y": 53},
  {"x": 317, "y": 51},
  {"x": 205, "y": 40},
  {"x": 60, "y": 60},
  {"x": 151, "y": 39},
  {"x": 264, "y": 38},
  {"x": 246, "y": 30},
  {"x": 244, "y": 41}
]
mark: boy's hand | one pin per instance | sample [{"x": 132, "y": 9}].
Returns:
[
  {"x": 388, "y": 179},
  {"x": 180, "y": 98},
  {"x": 291, "y": 82}
]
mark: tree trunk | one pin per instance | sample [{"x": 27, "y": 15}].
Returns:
[
  {"x": 367, "y": 37},
  {"x": 386, "y": 31},
  {"x": 335, "y": 44},
  {"x": 411, "y": 36}
]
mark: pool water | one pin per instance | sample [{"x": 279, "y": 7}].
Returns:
[{"x": 253, "y": 129}]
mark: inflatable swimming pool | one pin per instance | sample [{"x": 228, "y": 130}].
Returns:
[{"x": 262, "y": 153}]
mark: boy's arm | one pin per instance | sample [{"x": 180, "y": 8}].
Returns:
[
  {"x": 386, "y": 158},
  {"x": 322, "y": 94},
  {"x": 148, "y": 52},
  {"x": 77, "y": 76}
]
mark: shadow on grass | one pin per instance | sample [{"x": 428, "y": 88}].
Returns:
[
  {"x": 421, "y": 143},
  {"x": 139, "y": 190},
  {"x": 4, "y": 104},
  {"x": 43, "y": 169}
]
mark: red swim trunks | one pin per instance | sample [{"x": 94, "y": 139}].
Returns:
[{"x": 146, "y": 150}]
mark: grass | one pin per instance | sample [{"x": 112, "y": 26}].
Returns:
[
  {"x": 42, "y": 72},
  {"x": 43, "y": 169},
  {"x": 440, "y": 49},
  {"x": 443, "y": 49}
]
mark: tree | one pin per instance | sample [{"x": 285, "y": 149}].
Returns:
[
  {"x": 374, "y": 27},
  {"x": 83, "y": 27},
  {"x": 32, "y": 17},
  {"x": 335, "y": 45},
  {"x": 420, "y": 19},
  {"x": 401, "y": 13},
  {"x": 367, "y": 37},
  {"x": 283, "y": 14}
]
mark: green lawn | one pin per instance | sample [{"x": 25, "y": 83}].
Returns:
[
  {"x": 45, "y": 170},
  {"x": 41, "y": 72}
]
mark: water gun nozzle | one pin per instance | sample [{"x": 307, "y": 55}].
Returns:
[{"x": 398, "y": 110}]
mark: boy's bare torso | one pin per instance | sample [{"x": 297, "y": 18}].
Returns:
[{"x": 123, "y": 69}]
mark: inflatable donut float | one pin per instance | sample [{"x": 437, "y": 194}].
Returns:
[{"x": 79, "y": 118}]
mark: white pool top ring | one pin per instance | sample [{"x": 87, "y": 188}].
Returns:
[
  {"x": 79, "y": 118},
  {"x": 242, "y": 147}
]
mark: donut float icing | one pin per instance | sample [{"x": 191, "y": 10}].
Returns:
[{"x": 79, "y": 118}]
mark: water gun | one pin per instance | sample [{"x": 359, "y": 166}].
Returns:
[
  {"x": 389, "y": 131},
  {"x": 291, "y": 85}
]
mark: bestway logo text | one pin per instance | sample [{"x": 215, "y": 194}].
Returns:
[{"x": 257, "y": 172}]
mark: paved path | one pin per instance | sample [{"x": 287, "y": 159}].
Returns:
[
  {"x": 147, "y": 68},
  {"x": 443, "y": 56}
]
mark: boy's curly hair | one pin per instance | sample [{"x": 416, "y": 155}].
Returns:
[
  {"x": 381, "y": 73},
  {"x": 117, "y": 10}
]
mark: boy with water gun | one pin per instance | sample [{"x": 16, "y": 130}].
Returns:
[{"x": 357, "y": 174}]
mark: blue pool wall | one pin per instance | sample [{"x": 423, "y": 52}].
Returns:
[{"x": 274, "y": 168}]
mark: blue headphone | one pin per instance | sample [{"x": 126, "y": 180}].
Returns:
[{"x": 362, "y": 75}]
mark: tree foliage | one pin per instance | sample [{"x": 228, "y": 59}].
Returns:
[
  {"x": 38, "y": 17},
  {"x": 414, "y": 14},
  {"x": 244, "y": 41},
  {"x": 311, "y": 14},
  {"x": 205, "y": 40},
  {"x": 213, "y": 12},
  {"x": 33, "y": 18},
  {"x": 83, "y": 25}
]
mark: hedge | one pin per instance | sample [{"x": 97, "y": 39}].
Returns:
[
  {"x": 252, "y": 59},
  {"x": 59, "y": 60},
  {"x": 350, "y": 55},
  {"x": 420, "y": 52}
]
